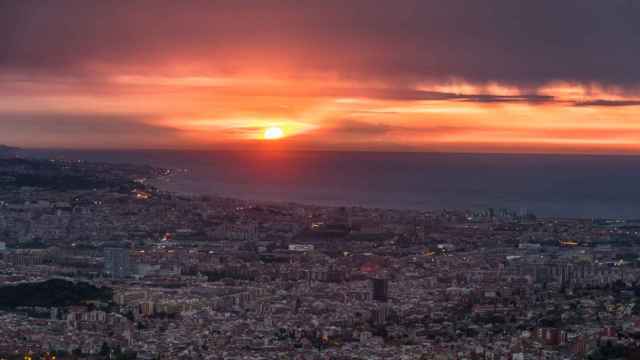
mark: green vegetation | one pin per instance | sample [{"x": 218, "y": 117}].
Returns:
[
  {"x": 61, "y": 176},
  {"x": 51, "y": 293}
]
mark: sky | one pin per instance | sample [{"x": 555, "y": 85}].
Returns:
[{"x": 405, "y": 75}]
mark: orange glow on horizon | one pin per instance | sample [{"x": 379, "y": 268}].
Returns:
[{"x": 323, "y": 112}]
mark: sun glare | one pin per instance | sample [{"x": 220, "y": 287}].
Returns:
[{"x": 273, "y": 133}]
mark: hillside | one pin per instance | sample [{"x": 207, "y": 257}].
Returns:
[{"x": 55, "y": 292}]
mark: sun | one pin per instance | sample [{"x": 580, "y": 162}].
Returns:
[{"x": 273, "y": 133}]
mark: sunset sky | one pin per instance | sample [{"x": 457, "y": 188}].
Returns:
[{"x": 423, "y": 75}]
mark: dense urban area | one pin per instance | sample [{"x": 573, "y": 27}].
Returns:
[{"x": 97, "y": 262}]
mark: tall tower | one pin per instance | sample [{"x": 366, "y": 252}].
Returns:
[
  {"x": 116, "y": 262},
  {"x": 379, "y": 289}
]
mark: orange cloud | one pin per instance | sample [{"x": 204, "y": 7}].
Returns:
[{"x": 324, "y": 111}]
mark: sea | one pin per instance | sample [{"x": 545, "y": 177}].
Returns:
[{"x": 574, "y": 186}]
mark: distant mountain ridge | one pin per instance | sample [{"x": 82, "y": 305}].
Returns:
[{"x": 6, "y": 150}]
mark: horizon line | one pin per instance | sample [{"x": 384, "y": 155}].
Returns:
[{"x": 325, "y": 150}]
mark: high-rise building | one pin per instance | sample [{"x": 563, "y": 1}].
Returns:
[
  {"x": 379, "y": 289},
  {"x": 116, "y": 262},
  {"x": 147, "y": 308},
  {"x": 380, "y": 315}
]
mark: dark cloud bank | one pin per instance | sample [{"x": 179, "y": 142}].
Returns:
[{"x": 516, "y": 42}]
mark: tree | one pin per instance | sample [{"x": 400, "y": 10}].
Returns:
[
  {"x": 127, "y": 355},
  {"x": 105, "y": 349}
]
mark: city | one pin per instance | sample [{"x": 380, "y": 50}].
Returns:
[
  {"x": 136, "y": 272},
  {"x": 319, "y": 180}
]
